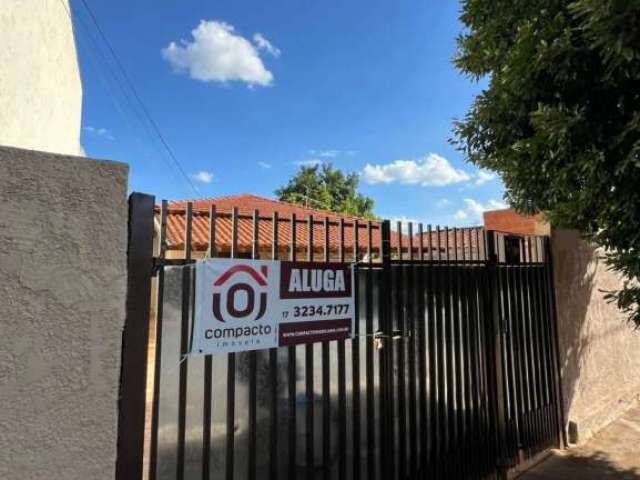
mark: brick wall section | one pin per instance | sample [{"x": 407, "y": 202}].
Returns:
[{"x": 508, "y": 220}]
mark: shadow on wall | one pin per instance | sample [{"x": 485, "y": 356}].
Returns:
[
  {"x": 598, "y": 349},
  {"x": 573, "y": 277}
]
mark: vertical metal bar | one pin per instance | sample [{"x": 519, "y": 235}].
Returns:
[
  {"x": 292, "y": 374},
  {"x": 547, "y": 376},
  {"x": 400, "y": 344},
  {"x": 135, "y": 339},
  {"x": 184, "y": 340},
  {"x": 326, "y": 382},
  {"x": 543, "y": 346},
  {"x": 386, "y": 366},
  {"x": 273, "y": 369},
  {"x": 212, "y": 231},
  {"x": 371, "y": 459},
  {"x": 422, "y": 318},
  {"x": 521, "y": 325},
  {"x": 434, "y": 368},
  {"x": 411, "y": 332},
  {"x": 449, "y": 349},
  {"x": 157, "y": 367},
  {"x": 495, "y": 371},
  {"x": 208, "y": 370},
  {"x": 537, "y": 347},
  {"x": 514, "y": 375},
  {"x": 473, "y": 376},
  {"x": 471, "y": 343},
  {"x": 513, "y": 367},
  {"x": 457, "y": 363},
  {"x": 342, "y": 382},
  {"x": 308, "y": 348},
  {"x": 253, "y": 359},
  {"x": 548, "y": 340},
  {"x": 533, "y": 371},
  {"x": 553, "y": 330},
  {"x": 382, "y": 305},
  {"x": 441, "y": 359},
  {"x": 523, "y": 360},
  {"x": 464, "y": 271},
  {"x": 511, "y": 376},
  {"x": 231, "y": 371},
  {"x": 355, "y": 359}
]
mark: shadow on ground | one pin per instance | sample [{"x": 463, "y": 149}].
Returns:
[
  {"x": 614, "y": 452},
  {"x": 595, "y": 466}
]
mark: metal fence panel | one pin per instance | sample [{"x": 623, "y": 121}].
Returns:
[{"x": 452, "y": 371}]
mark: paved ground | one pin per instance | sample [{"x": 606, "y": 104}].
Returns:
[{"x": 612, "y": 453}]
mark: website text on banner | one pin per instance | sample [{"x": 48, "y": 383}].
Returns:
[{"x": 257, "y": 304}]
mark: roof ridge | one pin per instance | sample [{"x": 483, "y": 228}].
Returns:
[
  {"x": 273, "y": 201},
  {"x": 323, "y": 210}
]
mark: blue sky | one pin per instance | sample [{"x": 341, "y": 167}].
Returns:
[{"x": 246, "y": 91}]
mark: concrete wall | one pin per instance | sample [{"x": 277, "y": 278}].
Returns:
[
  {"x": 40, "y": 89},
  {"x": 62, "y": 296},
  {"x": 599, "y": 349}
]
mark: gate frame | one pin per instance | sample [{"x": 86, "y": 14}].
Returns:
[
  {"x": 133, "y": 374},
  {"x": 135, "y": 338}
]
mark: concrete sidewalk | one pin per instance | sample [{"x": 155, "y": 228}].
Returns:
[{"x": 614, "y": 452}]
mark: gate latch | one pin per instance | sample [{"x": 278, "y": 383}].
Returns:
[
  {"x": 378, "y": 340},
  {"x": 380, "y": 336}
]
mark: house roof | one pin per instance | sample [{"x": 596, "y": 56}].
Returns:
[{"x": 247, "y": 204}]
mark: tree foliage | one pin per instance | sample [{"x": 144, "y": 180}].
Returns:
[
  {"x": 323, "y": 187},
  {"x": 560, "y": 118}
]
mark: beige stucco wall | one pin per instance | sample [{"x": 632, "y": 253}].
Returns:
[
  {"x": 599, "y": 349},
  {"x": 62, "y": 296},
  {"x": 40, "y": 90}
]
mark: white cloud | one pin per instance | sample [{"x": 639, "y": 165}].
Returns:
[
  {"x": 98, "y": 132},
  {"x": 324, "y": 153},
  {"x": 264, "y": 165},
  {"x": 473, "y": 210},
  {"x": 202, "y": 176},
  {"x": 218, "y": 54},
  {"x": 264, "y": 44},
  {"x": 312, "y": 162},
  {"x": 484, "y": 176},
  {"x": 443, "y": 202},
  {"x": 432, "y": 170}
]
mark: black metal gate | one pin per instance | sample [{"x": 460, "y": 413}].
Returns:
[{"x": 452, "y": 372}]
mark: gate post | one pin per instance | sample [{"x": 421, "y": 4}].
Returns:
[
  {"x": 133, "y": 366},
  {"x": 496, "y": 372}
]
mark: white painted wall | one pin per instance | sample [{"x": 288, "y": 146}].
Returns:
[{"x": 40, "y": 89}]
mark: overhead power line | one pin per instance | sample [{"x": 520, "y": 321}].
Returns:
[{"x": 142, "y": 107}]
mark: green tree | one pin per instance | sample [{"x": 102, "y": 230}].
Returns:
[
  {"x": 560, "y": 117},
  {"x": 326, "y": 188}
]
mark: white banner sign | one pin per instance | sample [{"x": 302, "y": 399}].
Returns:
[{"x": 256, "y": 304}]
